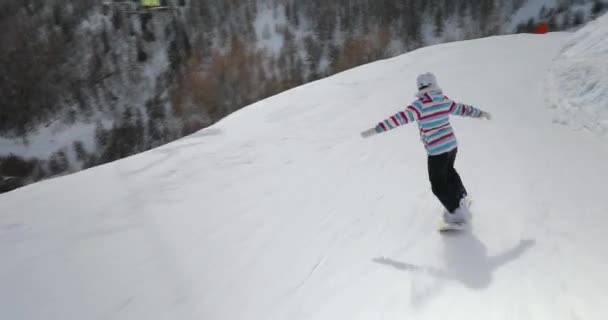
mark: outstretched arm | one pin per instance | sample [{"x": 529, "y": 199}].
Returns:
[
  {"x": 411, "y": 267},
  {"x": 400, "y": 118},
  {"x": 511, "y": 254},
  {"x": 460, "y": 109}
]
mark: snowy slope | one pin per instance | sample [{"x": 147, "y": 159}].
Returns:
[
  {"x": 578, "y": 80},
  {"x": 281, "y": 211}
]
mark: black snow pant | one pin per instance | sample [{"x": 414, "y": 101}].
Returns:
[{"x": 445, "y": 181}]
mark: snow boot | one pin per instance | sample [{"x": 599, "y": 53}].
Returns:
[{"x": 459, "y": 216}]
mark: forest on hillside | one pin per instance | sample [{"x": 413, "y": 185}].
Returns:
[{"x": 86, "y": 82}]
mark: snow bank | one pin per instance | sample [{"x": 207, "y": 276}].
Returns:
[
  {"x": 45, "y": 141},
  {"x": 578, "y": 80}
]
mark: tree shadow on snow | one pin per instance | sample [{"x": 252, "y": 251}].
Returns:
[{"x": 465, "y": 261}]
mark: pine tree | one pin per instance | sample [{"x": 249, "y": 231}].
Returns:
[
  {"x": 117, "y": 20},
  {"x": 101, "y": 136},
  {"x": 58, "y": 162},
  {"x": 552, "y": 23},
  {"x": 487, "y": 15},
  {"x": 412, "y": 25},
  {"x": 80, "y": 151},
  {"x": 566, "y": 20},
  {"x": 438, "y": 23},
  {"x": 579, "y": 18},
  {"x": 598, "y": 7},
  {"x": 530, "y": 26},
  {"x": 542, "y": 13}
]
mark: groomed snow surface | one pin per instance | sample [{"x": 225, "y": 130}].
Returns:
[{"x": 282, "y": 211}]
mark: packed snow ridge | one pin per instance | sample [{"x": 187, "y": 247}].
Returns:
[{"x": 578, "y": 81}]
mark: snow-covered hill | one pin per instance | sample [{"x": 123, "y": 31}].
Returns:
[{"x": 281, "y": 210}]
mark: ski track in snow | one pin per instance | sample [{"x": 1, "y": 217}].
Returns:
[{"x": 282, "y": 211}]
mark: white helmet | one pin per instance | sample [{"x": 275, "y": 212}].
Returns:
[{"x": 427, "y": 80}]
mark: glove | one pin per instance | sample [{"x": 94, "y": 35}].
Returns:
[
  {"x": 486, "y": 115},
  {"x": 368, "y": 133}
]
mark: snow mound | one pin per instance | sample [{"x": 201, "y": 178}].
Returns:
[{"x": 578, "y": 79}]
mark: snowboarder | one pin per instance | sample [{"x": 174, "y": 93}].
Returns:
[{"x": 432, "y": 110}]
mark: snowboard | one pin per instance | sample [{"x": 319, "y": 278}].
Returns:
[{"x": 446, "y": 227}]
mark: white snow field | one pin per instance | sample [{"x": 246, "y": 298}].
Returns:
[{"x": 282, "y": 211}]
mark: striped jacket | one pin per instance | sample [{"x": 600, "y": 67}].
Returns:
[{"x": 432, "y": 113}]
